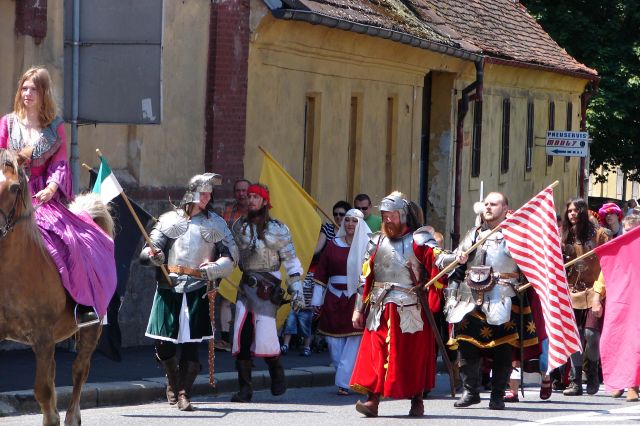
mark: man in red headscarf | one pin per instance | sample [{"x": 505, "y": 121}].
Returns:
[{"x": 265, "y": 244}]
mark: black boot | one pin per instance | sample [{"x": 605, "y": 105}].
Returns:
[
  {"x": 575, "y": 387},
  {"x": 470, "y": 375},
  {"x": 593, "y": 379},
  {"x": 276, "y": 371},
  {"x": 245, "y": 391},
  {"x": 499, "y": 380},
  {"x": 171, "y": 371},
  {"x": 188, "y": 372},
  {"x": 467, "y": 399},
  {"x": 86, "y": 316}
]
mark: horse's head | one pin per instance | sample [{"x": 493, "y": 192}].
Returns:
[{"x": 14, "y": 193}]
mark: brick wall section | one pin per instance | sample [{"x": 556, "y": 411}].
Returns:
[
  {"x": 31, "y": 18},
  {"x": 226, "y": 98}
]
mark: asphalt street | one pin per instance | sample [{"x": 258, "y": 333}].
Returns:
[{"x": 321, "y": 406}]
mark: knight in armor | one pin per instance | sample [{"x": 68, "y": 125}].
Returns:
[
  {"x": 396, "y": 358},
  {"x": 197, "y": 249},
  {"x": 482, "y": 304},
  {"x": 265, "y": 245}
]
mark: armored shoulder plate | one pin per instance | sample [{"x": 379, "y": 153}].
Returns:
[
  {"x": 277, "y": 235},
  {"x": 422, "y": 237},
  {"x": 213, "y": 228},
  {"x": 173, "y": 224}
]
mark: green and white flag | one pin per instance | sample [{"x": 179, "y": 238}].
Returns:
[{"x": 107, "y": 186}]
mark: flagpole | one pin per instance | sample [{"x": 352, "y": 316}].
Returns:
[
  {"x": 163, "y": 268},
  {"x": 472, "y": 248},
  {"x": 309, "y": 197}
]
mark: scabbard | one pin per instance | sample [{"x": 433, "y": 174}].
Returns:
[{"x": 434, "y": 327}]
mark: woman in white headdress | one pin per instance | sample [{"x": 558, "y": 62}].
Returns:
[{"x": 337, "y": 275}]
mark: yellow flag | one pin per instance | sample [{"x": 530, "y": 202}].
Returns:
[{"x": 296, "y": 209}]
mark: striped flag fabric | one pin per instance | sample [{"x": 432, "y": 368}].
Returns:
[
  {"x": 106, "y": 185},
  {"x": 533, "y": 239}
]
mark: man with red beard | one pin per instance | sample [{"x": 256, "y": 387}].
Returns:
[
  {"x": 264, "y": 244},
  {"x": 396, "y": 356}
]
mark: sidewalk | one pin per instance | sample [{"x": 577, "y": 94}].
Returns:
[{"x": 139, "y": 379}]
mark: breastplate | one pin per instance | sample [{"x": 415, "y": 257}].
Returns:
[
  {"x": 256, "y": 255},
  {"x": 497, "y": 254},
  {"x": 195, "y": 246},
  {"x": 391, "y": 259}
]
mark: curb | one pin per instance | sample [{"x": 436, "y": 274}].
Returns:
[{"x": 152, "y": 389}]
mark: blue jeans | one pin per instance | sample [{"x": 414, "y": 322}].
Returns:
[{"x": 299, "y": 323}]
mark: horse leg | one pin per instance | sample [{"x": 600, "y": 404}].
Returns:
[
  {"x": 86, "y": 342},
  {"x": 44, "y": 388}
]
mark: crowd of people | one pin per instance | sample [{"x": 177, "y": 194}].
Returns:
[{"x": 363, "y": 294}]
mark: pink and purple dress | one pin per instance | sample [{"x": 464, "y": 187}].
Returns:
[{"x": 82, "y": 252}]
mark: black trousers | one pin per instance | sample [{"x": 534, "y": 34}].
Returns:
[
  {"x": 470, "y": 357},
  {"x": 166, "y": 350}
]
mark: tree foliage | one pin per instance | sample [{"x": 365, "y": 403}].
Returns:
[{"x": 605, "y": 35}]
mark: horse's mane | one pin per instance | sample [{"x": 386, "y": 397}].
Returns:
[{"x": 94, "y": 207}]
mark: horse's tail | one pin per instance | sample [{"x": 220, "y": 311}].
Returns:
[{"x": 94, "y": 207}]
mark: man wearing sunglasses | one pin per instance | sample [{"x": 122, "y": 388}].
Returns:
[{"x": 362, "y": 202}]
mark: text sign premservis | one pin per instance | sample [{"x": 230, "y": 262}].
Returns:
[{"x": 567, "y": 144}]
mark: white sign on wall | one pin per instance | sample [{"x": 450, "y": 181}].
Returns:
[{"x": 567, "y": 144}]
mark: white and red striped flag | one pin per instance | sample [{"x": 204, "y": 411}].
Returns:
[{"x": 533, "y": 239}]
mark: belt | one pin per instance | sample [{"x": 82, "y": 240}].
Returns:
[
  {"x": 340, "y": 287},
  {"x": 394, "y": 286},
  {"x": 506, "y": 275},
  {"x": 184, "y": 270}
]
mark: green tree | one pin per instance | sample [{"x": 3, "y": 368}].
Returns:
[{"x": 605, "y": 35}]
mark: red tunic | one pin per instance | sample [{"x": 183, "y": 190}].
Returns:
[
  {"x": 391, "y": 363},
  {"x": 336, "y": 312}
]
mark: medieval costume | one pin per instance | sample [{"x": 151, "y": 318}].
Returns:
[
  {"x": 199, "y": 250},
  {"x": 262, "y": 253},
  {"x": 337, "y": 276},
  {"x": 581, "y": 277},
  {"x": 82, "y": 252},
  {"x": 396, "y": 356},
  {"x": 486, "y": 313}
]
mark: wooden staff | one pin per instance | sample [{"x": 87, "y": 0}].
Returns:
[
  {"x": 307, "y": 196},
  {"x": 163, "y": 268}
]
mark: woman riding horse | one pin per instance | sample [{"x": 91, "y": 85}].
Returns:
[{"x": 83, "y": 253}]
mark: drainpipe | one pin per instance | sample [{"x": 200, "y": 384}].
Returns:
[
  {"x": 75, "y": 84},
  {"x": 463, "y": 108},
  {"x": 589, "y": 91}
]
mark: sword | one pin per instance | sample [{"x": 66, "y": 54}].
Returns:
[{"x": 434, "y": 327}]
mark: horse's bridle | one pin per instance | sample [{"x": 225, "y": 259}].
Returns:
[{"x": 10, "y": 219}]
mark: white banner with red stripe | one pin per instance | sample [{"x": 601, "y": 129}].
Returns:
[{"x": 533, "y": 239}]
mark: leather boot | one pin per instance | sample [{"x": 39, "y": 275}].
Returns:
[
  {"x": 245, "y": 391},
  {"x": 171, "y": 371},
  {"x": 276, "y": 372},
  {"x": 370, "y": 407},
  {"x": 499, "y": 381},
  {"x": 468, "y": 398},
  {"x": 188, "y": 372},
  {"x": 593, "y": 381},
  {"x": 417, "y": 406},
  {"x": 575, "y": 387},
  {"x": 470, "y": 375}
]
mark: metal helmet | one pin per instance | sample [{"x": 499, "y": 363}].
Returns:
[
  {"x": 394, "y": 202},
  {"x": 200, "y": 183}
]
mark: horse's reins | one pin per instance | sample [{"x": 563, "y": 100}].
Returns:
[{"x": 10, "y": 221}]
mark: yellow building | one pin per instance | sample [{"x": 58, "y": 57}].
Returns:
[{"x": 358, "y": 109}]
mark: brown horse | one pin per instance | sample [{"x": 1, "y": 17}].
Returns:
[{"x": 35, "y": 309}]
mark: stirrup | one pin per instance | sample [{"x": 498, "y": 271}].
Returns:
[{"x": 85, "y": 319}]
